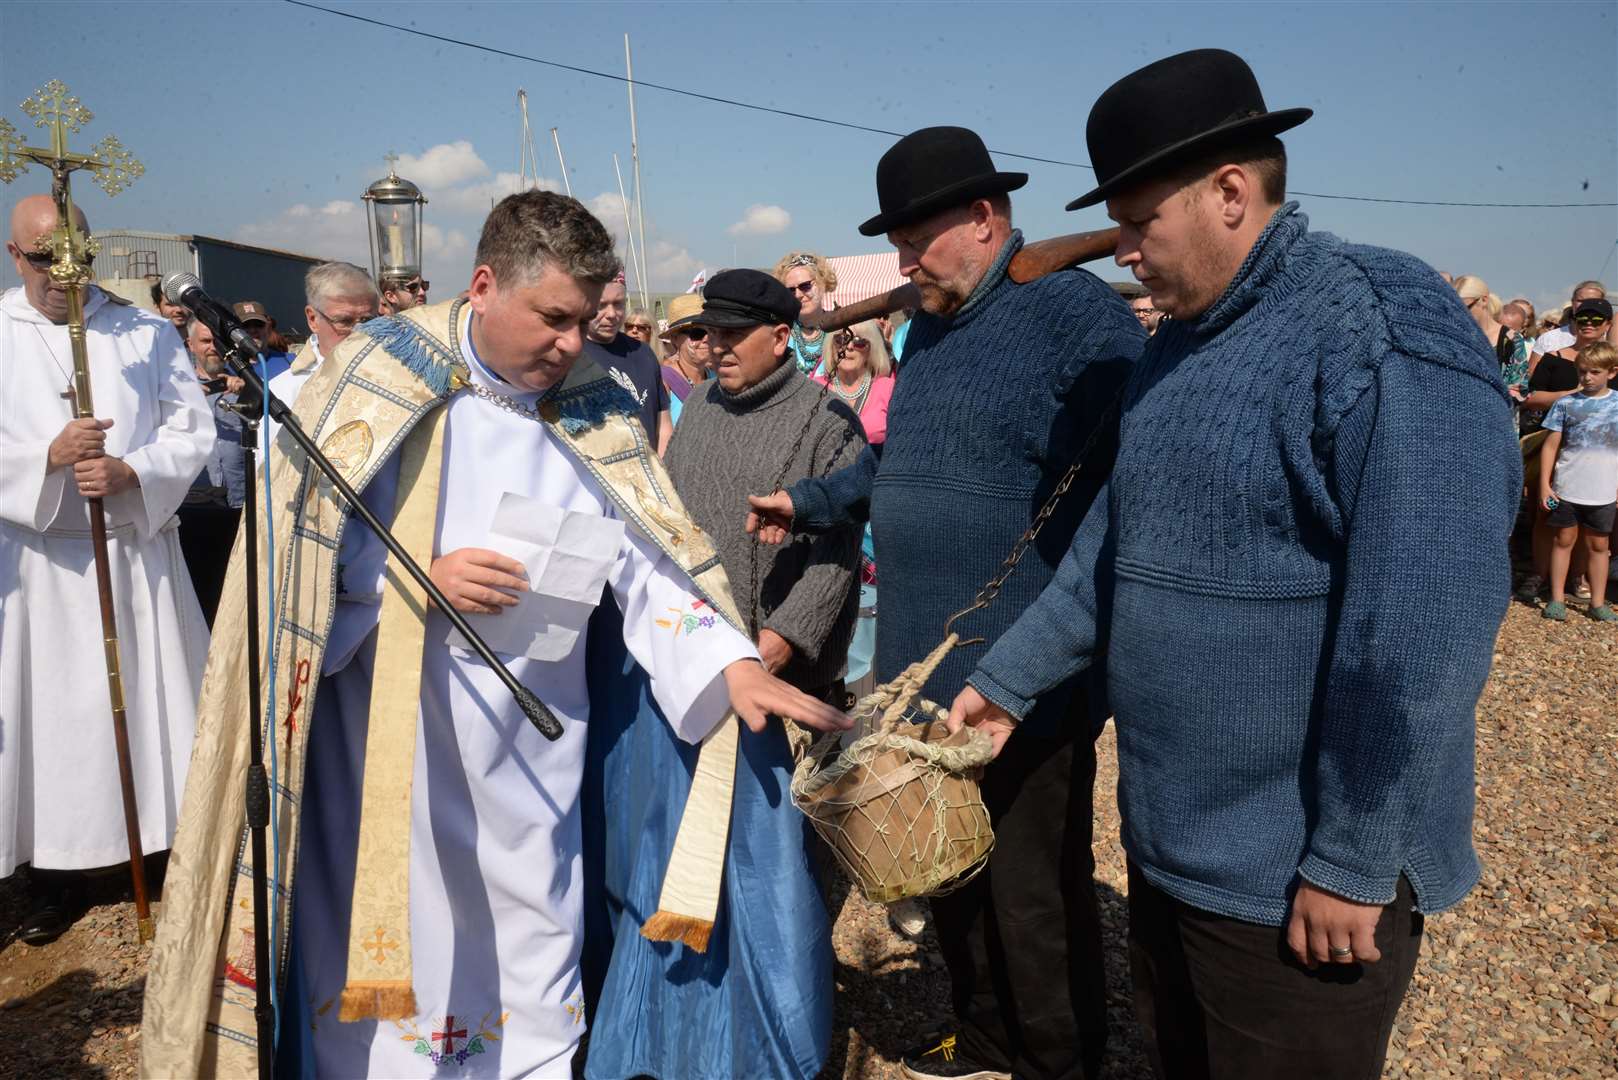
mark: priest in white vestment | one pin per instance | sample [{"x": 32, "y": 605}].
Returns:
[
  {"x": 526, "y": 539},
  {"x": 60, "y": 806}
]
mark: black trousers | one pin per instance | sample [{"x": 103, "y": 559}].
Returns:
[
  {"x": 1221, "y": 998},
  {"x": 207, "y": 534},
  {"x": 1022, "y": 940}
]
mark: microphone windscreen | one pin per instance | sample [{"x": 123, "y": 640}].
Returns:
[{"x": 175, "y": 285}]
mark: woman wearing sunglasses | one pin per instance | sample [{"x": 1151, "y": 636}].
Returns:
[
  {"x": 688, "y": 362},
  {"x": 639, "y": 326},
  {"x": 812, "y": 281},
  {"x": 862, "y": 377}
]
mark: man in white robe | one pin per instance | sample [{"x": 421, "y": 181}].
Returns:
[
  {"x": 60, "y": 806},
  {"x": 525, "y": 540}
]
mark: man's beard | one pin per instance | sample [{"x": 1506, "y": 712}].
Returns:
[
  {"x": 212, "y": 368},
  {"x": 940, "y": 298}
]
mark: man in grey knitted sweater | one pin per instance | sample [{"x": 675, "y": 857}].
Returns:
[{"x": 736, "y": 434}]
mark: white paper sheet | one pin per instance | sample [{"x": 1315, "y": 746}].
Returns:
[{"x": 567, "y": 555}]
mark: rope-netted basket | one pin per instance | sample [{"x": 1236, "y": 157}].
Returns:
[{"x": 900, "y": 806}]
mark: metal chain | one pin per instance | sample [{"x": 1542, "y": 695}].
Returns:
[
  {"x": 991, "y": 589},
  {"x": 511, "y": 405}
]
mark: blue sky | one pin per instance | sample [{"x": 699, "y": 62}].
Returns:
[{"x": 264, "y": 121}]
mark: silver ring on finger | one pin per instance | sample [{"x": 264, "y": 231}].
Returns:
[{"x": 1340, "y": 953}]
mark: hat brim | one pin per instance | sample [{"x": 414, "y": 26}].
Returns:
[
  {"x": 956, "y": 194},
  {"x": 1253, "y": 126},
  {"x": 680, "y": 324}
]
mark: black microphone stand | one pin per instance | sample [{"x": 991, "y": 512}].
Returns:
[{"x": 250, "y": 405}]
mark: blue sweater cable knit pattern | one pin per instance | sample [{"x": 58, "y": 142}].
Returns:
[
  {"x": 1297, "y": 571},
  {"x": 993, "y": 404}
]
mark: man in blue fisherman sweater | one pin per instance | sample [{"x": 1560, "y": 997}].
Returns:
[
  {"x": 1002, "y": 386},
  {"x": 1297, "y": 570}
]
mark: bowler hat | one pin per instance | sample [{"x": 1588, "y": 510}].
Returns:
[
  {"x": 742, "y": 298},
  {"x": 931, "y": 170},
  {"x": 1169, "y": 111}
]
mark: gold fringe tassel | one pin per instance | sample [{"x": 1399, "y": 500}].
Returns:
[
  {"x": 377, "y": 1001},
  {"x": 668, "y": 926}
]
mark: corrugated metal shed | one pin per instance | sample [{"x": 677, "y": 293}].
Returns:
[{"x": 230, "y": 271}]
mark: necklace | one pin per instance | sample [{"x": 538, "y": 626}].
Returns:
[
  {"x": 808, "y": 351},
  {"x": 66, "y": 378},
  {"x": 511, "y": 405},
  {"x": 856, "y": 396}
]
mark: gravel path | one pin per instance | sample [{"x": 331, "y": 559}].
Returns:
[{"x": 1520, "y": 980}]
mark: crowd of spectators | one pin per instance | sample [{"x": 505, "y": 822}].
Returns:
[{"x": 1557, "y": 369}]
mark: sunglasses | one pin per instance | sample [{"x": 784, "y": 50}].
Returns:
[
  {"x": 42, "y": 261},
  {"x": 804, "y": 287},
  {"x": 418, "y": 286},
  {"x": 1590, "y": 319},
  {"x": 638, "y": 326},
  {"x": 846, "y": 340},
  {"x": 695, "y": 333}
]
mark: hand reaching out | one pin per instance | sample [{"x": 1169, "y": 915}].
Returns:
[
  {"x": 973, "y": 709},
  {"x": 770, "y": 517},
  {"x": 477, "y": 581},
  {"x": 755, "y": 694}
]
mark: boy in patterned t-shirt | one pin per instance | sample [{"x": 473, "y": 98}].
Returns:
[{"x": 1582, "y": 493}]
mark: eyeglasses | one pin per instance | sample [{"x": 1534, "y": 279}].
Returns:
[
  {"x": 1589, "y": 319},
  {"x": 695, "y": 333},
  {"x": 638, "y": 326},
  {"x": 345, "y": 325},
  {"x": 804, "y": 287},
  {"x": 417, "y": 286},
  {"x": 846, "y": 340}
]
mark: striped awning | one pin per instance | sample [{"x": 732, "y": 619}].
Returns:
[{"x": 862, "y": 276}]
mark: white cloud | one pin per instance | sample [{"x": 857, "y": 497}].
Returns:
[
  {"x": 479, "y": 198},
  {"x": 762, "y": 220},
  {"x": 442, "y": 166},
  {"x": 334, "y": 231},
  {"x": 669, "y": 267}
]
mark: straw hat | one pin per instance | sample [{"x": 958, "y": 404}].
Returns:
[{"x": 682, "y": 312}]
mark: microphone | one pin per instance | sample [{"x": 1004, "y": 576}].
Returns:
[{"x": 186, "y": 290}]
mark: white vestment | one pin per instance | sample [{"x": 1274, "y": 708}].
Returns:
[
  {"x": 496, "y": 919},
  {"x": 60, "y": 806},
  {"x": 288, "y": 384}
]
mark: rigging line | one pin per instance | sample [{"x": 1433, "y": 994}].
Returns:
[
  {"x": 1607, "y": 260},
  {"x": 863, "y": 127},
  {"x": 1441, "y": 202}
]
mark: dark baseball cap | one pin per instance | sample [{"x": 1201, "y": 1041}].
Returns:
[
  {"x": 1594, "y": 305},
  {"x": 738, "y": 298},
  {"x": 251, "y": 311}
]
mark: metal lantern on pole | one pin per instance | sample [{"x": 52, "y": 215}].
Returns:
[{"x": 394, "y": 207}]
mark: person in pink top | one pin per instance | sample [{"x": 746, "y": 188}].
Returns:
[{"x": 863, "y": 377}]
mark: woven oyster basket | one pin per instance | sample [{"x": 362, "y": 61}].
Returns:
[{"x": 900, "y": 805}]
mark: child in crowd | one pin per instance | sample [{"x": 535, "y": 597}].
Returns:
[{"x": 1582, "y": 491}]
